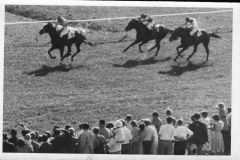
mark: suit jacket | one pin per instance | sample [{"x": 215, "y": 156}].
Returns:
[
  {"x": 46, "y": 148},
  {"x": 8, "y": 147},
  {"x": 199, "y": 130}
]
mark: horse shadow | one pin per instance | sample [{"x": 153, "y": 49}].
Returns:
[
  {"x": 136, "y": 62},
  {"x": 45, "y": 70},
  {"x": 178, "y": 70}
]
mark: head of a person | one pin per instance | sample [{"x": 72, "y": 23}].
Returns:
[
  {"x": 169, "y": 120},
  {"x": 5, "y": 136},
  {"x": 118, "y": 124},
  {"x": 39, "y": 138},
  {"x": 179, "y": 122},
  {"x": 168, "y": 112},
  {"x": 204, "y": 113},
  {"x": 147, "y": 122},
  {"x": 13, "y": 132},
  {"x": 216, "y": 117},
  {"x": 134, "y": 123},
  {"x": 71, "y": 131},
  {"x": 109, "y": 125},
  {"x": 192, "y": 118},
  {"x": 44, "y": 137},
  {"x": 155, "y": 114},
  {"x": 28, "y": 137},
  {"x": 25, "y": 132},
  {"x": 67, "y": 127},
  {"x": 123, "y": 122},
  {"x": 33, "y": 135},
  {"x": 143, "y": 15},
  {"x": 95, "y": 130},
  {"x": 196, "y": 116},
  {"x": 86, "y": 126},
  {"x": 229, "y": 110},
  {"x": 56, "y": 132},
  {"x": 48, "y": 133},
  {"x": 221, "y": 105},
  {"x": 21, "y": 142},
  {"x": 80, "y": 126},
  {"x": 55, "y": 127},
  {"x": 141, "y": 127},
  {"x": 128, "y": 117},
  {"x": 187, "y": 19},
  {"x": 102, "y": 123}
]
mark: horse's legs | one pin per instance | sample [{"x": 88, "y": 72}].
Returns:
[
  {"x": 181, "y": 46},
  {"x": 207, "y": 49},
  {"x": 51, "y": 49},
  {"x": 78, "y": 50},
  {"x": 61, "y": 53},
  {"x": 194, "y": 51},
  {"x": 140, "y": 45},
  {"x": 158, "y": 47},
  {"x": 135, "y": 42},
  {"x": 179, "y": 54},
  {"x": 69, "y": 51}
]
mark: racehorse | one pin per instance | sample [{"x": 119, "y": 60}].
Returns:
[
  {"x": 59, "y": 43},
  {"x": 187, "y": 40},
  {"x": 144, "y": 34}
]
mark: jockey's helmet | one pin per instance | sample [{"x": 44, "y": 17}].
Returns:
[
  {"x": 143, "y": 15},
  {"x": 187, "y": 19}
]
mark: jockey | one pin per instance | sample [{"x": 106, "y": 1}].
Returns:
[
  {"x": 64, "y": 30},
  {"x": 148, "y": 21},
  {"x": 192, "y": 24}
]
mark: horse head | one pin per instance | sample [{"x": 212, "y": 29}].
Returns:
[
  {"x": 132, "y": 24},
  {"x": 175, "y": 34},
  {"x": 46, "y": 28}
]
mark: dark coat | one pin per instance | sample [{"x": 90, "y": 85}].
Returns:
[
  {"x": 8, "y": 147},
  {"x": 199, "y": 130},
  {"x": 46, "y": 148}
]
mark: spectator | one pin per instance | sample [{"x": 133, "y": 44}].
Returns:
[
  {"x": 148, "y": 139},
  {"x": 13, "y": 138},
  {"x": 71, "y": 143},
  {"x": 156, "y": 121},
  {"x": 168, "y": 112},
  {"x": 166, "y": 135},
  {"x": 190, "y": 146},
  {"x": 217, "y": 138},
  {"x": 58, "y": 142},
  {"x": 119, "y": 135},
  {"x": 103, "y": 130},
  {"x": 141, "y": 134},
  {"x": 200, "y": 135},
  {"x": 7, "y": 146},
  {"x": 23, "y": 147},
  {"x": 110, "y": 126},
  {"x": 34, "y": 143},
  {"x": 206, "y": 120},
  {"x": 86, "y": 140},
  {"x": 39, "y": 139},
  {"x": 154, "y": 147},
  {"x": 180, "y": 136},
  {"x": 112, "y": 146},
  {"x": 48, "y": 133},
  {"x": 99, "y": 142},
  {"x": 135, "y": 137},
  {"x": 24, "y": 132},
  {"x": 80, "y": 126},
  {"x": 128, "y": 120},
  {"x": 46, "y": 147},
  {"x": 126, "y": 146}
]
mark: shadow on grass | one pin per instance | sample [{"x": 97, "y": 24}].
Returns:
[
  {"x": 45, "y": 70},
  {"x": 178, "y": 70},
  {"x": 136, "y": 62}
]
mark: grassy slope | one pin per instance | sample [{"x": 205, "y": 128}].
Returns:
[{"x": 95, "y": 89}]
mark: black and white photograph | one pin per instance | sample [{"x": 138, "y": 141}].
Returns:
[{"x": 119, "y": 80}]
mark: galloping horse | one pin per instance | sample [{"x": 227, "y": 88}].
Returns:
[
  {"x": 59, "y": 43},
  {"x": 144, "y": 34},
  {"x": 187, "y": 40}
]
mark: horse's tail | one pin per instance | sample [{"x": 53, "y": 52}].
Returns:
[
  {"x": 88, "y": 42},
  {"x": 214, "y": 35}
]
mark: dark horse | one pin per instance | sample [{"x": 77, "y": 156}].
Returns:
[
  {"x": 187, "y": 40},
  {"x": 144, "y": 34},
  {"x": 60, "y": 43}
]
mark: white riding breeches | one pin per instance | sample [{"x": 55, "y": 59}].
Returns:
[
  {"x": 149, "y": 24},
  {"x": 193, "y": 31}
]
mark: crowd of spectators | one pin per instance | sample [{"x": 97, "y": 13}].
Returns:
[{"x": 205, "y": 135}]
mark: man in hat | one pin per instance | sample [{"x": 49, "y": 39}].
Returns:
[
  {"x": 13, "y": 138},
  {"x": 7, "y": 147},
  {"x": 71, "y": 141},
  {"x": 86, "y": 140},
  {"x": 34, "y": 143},
  {"x": 128, "y": 120},
  {"x": 103, "y": 130},
  {"x": 80, "y": 126},
  {"x": 46, "y": 147},
  {"x": 126, "y": 146}
]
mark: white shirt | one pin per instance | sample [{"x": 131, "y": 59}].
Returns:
[
  {"x": 193, "y": 24},
  {"x": 129, "y": 126},
  {"x": 113, "y": 146},
  {"x": 79, "y": 133},
  {"x": 166, "y": 131},
  {"x": 206, "y": 120},
  {"x": 127, "y": 135},
  {"x": 182, "y": 132},
  {"x": 155, "y": 133},
  {"x": 149, "y": 133},
  {"x": 119, "y": 137}
]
